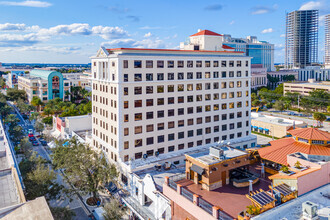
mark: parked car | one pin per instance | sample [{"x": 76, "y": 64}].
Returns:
[
  {"x": 43, "y": 143},
  {"x": 35, "y": 143},
  {"x": 31, "y": 139},
  {"x": 30, "y": 131},
  {"x": 30, "y": 135}
]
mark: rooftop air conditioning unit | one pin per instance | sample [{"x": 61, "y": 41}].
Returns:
[
  {"x": 217, "y": 152},
  {"x": 309, "y": 210}
]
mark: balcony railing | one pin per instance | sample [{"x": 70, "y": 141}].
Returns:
[
  {"x": 174, "y": 179},
  {"x": 206, "y": 206},
  {"x": 186, "y": 193}
]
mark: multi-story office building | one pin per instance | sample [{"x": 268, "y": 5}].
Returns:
[
  {"x": 149, "y": 103},
  {"x": 48, "y": 85},
  {"x": 301, "y": 44},
  {"x": 12, "y": 79},
  {"x": 261, "y": 52},
  {"x": 313, "y": 72},
  {"x": 327, "y": 41},
  {"x": 304, "y": 88}
]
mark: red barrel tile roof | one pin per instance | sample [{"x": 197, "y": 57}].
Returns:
[
  {"x": 279, "y": 150},
  {"x": 311, "y": 134}
]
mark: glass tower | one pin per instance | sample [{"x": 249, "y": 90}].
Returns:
[{"x": 301, "y": 43}]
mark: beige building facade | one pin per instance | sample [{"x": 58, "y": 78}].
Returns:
[
  {"x": 153, "y": 102},
  {"x": 304, "y": 88}
]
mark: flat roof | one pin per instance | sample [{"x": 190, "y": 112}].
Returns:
[
  {"x": 321, "y": 83},
  {"x": 8, "y": 191},
  {"x": 274, "y": 120},
  {"x": 228, "y": 152},
  {"x": 292, "y": 210}
]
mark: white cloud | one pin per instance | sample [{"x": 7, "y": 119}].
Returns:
[
  {"x": 131, "y": 43},
  {"x": 312, "y": 5},
  {"x": 282, "y": 35},
  {"x": 263, "y": 9},
  {"x": 232, "y": 22},
  {"x": 12, "y": 27},
  {"x": 36, "y": 4},
  {"x": 268, "y": 30},
  {"x": 107, "y": 32},
  {"x": 148, "y": 34},
  {"x": 61, "y": 50},
  {"x": 16, "y": 40}
]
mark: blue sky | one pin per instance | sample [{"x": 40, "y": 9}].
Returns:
[{"x": 70, "y": 31}]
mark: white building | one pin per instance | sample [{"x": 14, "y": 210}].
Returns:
[
  {"x": 258, "y": 76},
  {"x": 313, "y": 72},
  {"x": 152, "y": 102}
]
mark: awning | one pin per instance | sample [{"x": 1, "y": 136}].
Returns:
[
  {"x": 256, "y": 127},
  {"x": 266, "y": 129},
  {"x": 260, "y": 128},
  {"x": 197, "y": 169}
]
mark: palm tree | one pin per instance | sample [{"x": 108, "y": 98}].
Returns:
[{"x": 36, "y": 101}]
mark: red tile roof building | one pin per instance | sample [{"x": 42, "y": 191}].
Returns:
[
  {"x": 206, "y": 32},
  {"x": 306, "y": 140}
]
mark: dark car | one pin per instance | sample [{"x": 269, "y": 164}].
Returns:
[
  {"x": 31, "y": 139},
  {"x": 43, "y": 143},
  {"x": 35, "y": 143},
  {"x": 328, "y": 119}
]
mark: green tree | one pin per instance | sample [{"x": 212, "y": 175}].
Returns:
[
  {"x": 48, "y": 120},
  {"x": 23, "y": 107},
  {"x": 16, "y": 134},
  {"x": 62, "y": 213},
  {"x": 26, "y": 147},
  {"x": 256, "y": 103},
  {"x": 320, "y": 118},
  {"x": 34, "y": 116},
  {"x": 36, "y": 101},
  {"x": 279, "y": 89},
  {"x": 39, "y": 126},
  {"x": 279, "y": 105},
  {"x": 11, "y": 120},
  {"x": 16, "y": 94},
  {"x": 5, "y": 110},
  {"x": 113, "y": 210},
  {"x": 83, "y": 166},
  {"x": 39, "y": 179},
  {"x": 328, "y": 109}
]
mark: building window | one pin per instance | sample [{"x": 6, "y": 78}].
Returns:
[
  {"x": 181, "y": 111},
  {"x": 207, "y": 75},
  {"x": 138, "y": 116},
  {"x": 171, "y": 148},
  {"x": 198, "y": 75},
  {"x": 190, "y": 133},
  {"x": 199, "y": 131},
  {"x": 170, "y": 88},
  {"x": 138, "y": 156},
  {"x": 149, "y": 77},
  {"x": 170, "y": 124},
  {"x": 125, "y": 77},
  {"x": 138, "y": 90},
  {"x": 170, "y": 112},
  {"x": 215, "y": 63},
  {"x": 137, "y": 64},
  {"x": 223, "y": 106},
  {"x": 170, "y": 100},
  {"x": 125, "y": 64},
  {"x": 224, "y": 128},
  {"x": 223, "y": 85},
  {"x": 239, "y": 74},
  {"x": 180, "y": 76},
  {"x": 126, "y": 131},
  {"x": 125, "y": 104},
  {"x": 160, "y": 89},
  {"x": 138, "y": 143},
  {"x": 190, "y": 75},
  {"x": 180, "y": 135},
  {"x": 150, "y": 128},
  {"x": 150, "y": 102},
  {"x": 231, "y": 63},
  {"x": 160, "y": 126},
  {"x": 137, "y": 77},
  {"x": 231, "y": 73},
  {"x": 190, "y": 122},
  {"x": 180, "y": 63},
  {"x": 138, "y": 130},
  {"x": 150, "y": 140},
  {"x": 126, "y": 145},
  {"x": 199, "y": 120},
  {"x": 170, "y": 76},
  {"x": 199, "y": 63},
  {"x": 180, "y": 87},
  {"x": 160, "y": 114},
  {"x": 231, "y": 84},
  {"x": 238, "y": 63},
  {"x": 150, "y": 115},
  {"x": 223, "y": 63},
  {"x": 170, "y": 64},
  {"x": 199, "y": 86},
  {"x": 160, "y": 101},
  {"x": 160, "y": 64},
  {"x": 137, "y": 103},
  {"x": 160, "y": 139},
  {"x": 125, "y": 118},
  {"x": 149, "y": 64},
  {"x": 190, "y": 63},
  {"x": 160, "y": 76}
]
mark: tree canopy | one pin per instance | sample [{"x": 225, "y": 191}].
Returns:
[
  {"x": 16, "y": 94},
  {"x": 84, "y": 167}
]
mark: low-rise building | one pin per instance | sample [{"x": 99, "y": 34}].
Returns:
[
  {"x": 313, "y": 72},
  {"x": 311, "y": 141},
  {"x": 64, "y": 127},
  {"x": 12, "y": 78},
  {"x": 304, "y": 88},
  {"x": 282, "y": 75},
  {"x": 44, "y": 84},
  {"x": 214, "y": 184},
  {"x": 273, "y": 126},
  {"x": 258, "y": 76}
]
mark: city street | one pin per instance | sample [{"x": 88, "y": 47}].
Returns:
[{"x": 82, "y": 211}]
